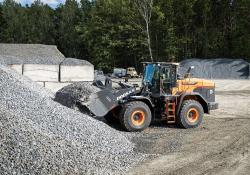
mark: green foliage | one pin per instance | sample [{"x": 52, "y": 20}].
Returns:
[
  {"x": 13, "y": 29},
  {"x": 41, "y": 25},
  {"x": 111, "y": 33},
  {"x": 68, "y": 17}
]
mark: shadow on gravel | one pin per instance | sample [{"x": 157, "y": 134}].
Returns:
[{"x": 153, "y": 125}]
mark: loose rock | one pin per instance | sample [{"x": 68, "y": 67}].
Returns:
[{"x": 40, "y": 136}]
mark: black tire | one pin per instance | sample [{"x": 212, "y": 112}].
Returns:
[
  {"x": 191, "y": 114},
  {"x": 131, "y": 116}
]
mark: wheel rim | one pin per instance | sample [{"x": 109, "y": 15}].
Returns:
[
  {"x": 193, "y": 115},
  {"x": 138, "y": 118}
]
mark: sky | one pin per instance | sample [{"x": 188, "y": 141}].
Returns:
[{"x": 52, "y": 3}]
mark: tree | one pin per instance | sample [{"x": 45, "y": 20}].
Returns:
[
  {"x": 14, "y": 22},
  {"x": 183, "y": 22},
  {"x": 145, "y": 9},
  {"x": 41, "y": 26},
  {"x": 241, "y": 34},
  {"x": 163, "y": 32},
  {"x": 68, "y": 38},
  {"x": 201, "y": 27},
  {"x": 122, "y": 33},
  {"x": 1, "y": 22},
  {"x": 113, "y": 36}
]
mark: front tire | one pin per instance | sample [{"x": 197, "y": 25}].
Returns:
[
  {"x": 191, "y": 114},
  {"x": 135, "y": 116}
]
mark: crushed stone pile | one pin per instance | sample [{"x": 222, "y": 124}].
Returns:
[
  {"x": 40, "y": 136},
  {"x": 25, "y": 51},
  {"x": 220, "y": 68},
  {"x": 74, "y": 62},
  {"x": 10, "y": 60},
  {"x": 11, "y": 74},
  {"x": 71, "y": 94}
]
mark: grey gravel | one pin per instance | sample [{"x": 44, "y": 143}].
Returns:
[
  {"x": 30, "y": 50},
  {"x": 8, "y": 60},
  {"x": 26, "y": 82},
  {"x": 220, "y": 68},
  {"x": 74, "y": 62},
  {"x": 40, "y": 136},
  {"x": 71, "y": 94},
  {"x": 35, "y": 54}
]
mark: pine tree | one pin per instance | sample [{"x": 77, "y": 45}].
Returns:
[
  {"x": 68, "y": 17},
  {"x": 41, "y": 27},
  {"x": 14, "y": 25}
]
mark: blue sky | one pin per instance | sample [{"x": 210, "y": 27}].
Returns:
[{"x": 52, "y": 3}]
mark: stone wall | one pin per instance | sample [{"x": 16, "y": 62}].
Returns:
[
  {"x": 45, "y": 64},
  {"x": 56, "y": 76}
]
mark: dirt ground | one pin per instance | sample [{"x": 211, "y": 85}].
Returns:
[{"x": 221, "y": 145}]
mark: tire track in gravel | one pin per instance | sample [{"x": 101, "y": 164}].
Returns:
[
  {"x": 221, "y": 147},
  {"x": 223, "y": 161}
]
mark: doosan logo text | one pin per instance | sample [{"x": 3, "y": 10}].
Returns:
[{"x": 125, "y": 94}]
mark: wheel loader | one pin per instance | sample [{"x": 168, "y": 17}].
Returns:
[{"x": 164, "y": 96}]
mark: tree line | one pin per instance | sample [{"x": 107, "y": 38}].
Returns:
[{"x": 121, "y": 33}]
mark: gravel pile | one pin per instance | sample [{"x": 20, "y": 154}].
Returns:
[
  {"x": 8, "y": 74},
  {"x": 71, "y": 94},
  {"x": 40, "y": 136},
  {"x": 74, "y": 62},
  {"x": 220, "y": 68},
  {"x": 29, "y": 54},
  {"x": 7, "y": 60},
  {"x": 30, "y": 50},
  {"x": 35, "y": 54}
]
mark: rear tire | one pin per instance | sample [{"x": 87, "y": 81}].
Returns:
[
  {"x": 191, "y": 114},
  {"x": 135, "y": 116}
]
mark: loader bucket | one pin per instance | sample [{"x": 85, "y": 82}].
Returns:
[{"x": 101, "y": 103}]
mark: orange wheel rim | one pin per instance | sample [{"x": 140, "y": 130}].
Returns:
[
  {"x": 138, "y": 118},
  {"x": 193, "y": 115}
]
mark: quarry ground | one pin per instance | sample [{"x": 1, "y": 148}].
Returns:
[{"x": 221, "y": 145}]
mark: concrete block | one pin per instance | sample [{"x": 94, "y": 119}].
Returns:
[
  {"x": 76, "y": 73},
  {"x": 55, "y": 86},
  {"x": 41, "y": 72},
  {"x": 17, "y": 67}
]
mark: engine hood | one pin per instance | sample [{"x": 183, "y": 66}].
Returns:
[{"x": 189, "y": 84}]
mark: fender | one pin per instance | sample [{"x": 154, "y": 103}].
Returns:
[
  {"x": 146, "y": 100},
  {"x": 203, "y": 101}
]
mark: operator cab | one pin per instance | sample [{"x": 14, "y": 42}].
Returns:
[{"x": 160, "y": 77}]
